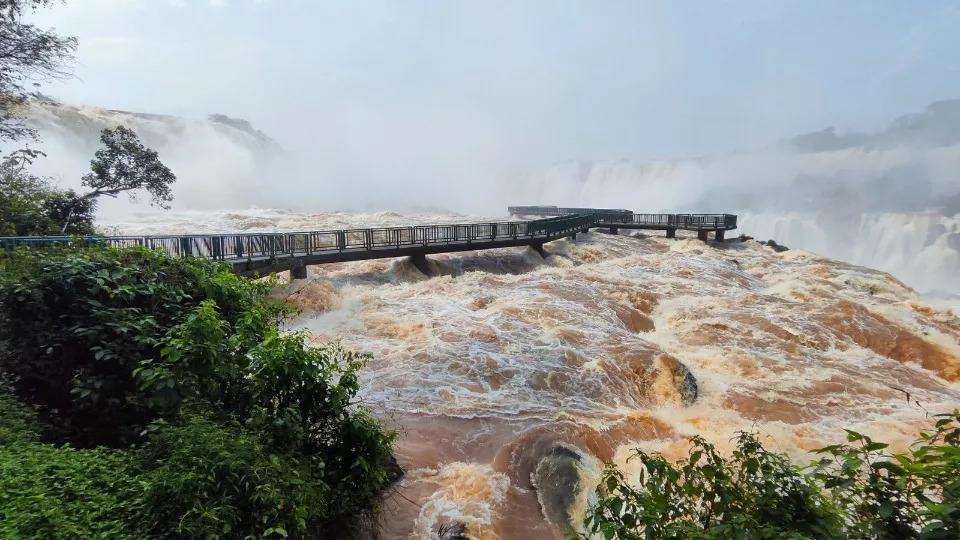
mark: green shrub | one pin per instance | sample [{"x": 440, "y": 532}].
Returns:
[
  {"x": 48, "y": 492},
  {"x": 856, "y": 490},
  {"x": 914, "y": 494},
  {"x": 78, "y": 322},
  {"x": 753, "y": 494},
  {"x": 244, "y": 430},
  {"x": 17, "y": 423},
  {"x": 208, "y": 480}
]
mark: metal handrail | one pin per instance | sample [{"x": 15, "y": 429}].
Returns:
[{"x": 247, "y": 246}]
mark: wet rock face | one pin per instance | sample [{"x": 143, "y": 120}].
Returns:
[
  {"x": 561, "y": 464},
  {"x": 560, "y": 480},
  {"x": 669, "y": 381},
  {"x": 685, "y": 382}
]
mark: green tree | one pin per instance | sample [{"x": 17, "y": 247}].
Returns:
[
  {"x": 124, "y": 164},
  {"x": 28, "y": 55},
  {"x": 30, "y": 205}
]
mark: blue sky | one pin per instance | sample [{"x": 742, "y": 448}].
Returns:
[{"x": 515, "y": 85}]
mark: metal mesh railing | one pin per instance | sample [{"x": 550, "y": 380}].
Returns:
[
  {"x": 259, "y": 245},
  {"x": 246, "y": 246}
]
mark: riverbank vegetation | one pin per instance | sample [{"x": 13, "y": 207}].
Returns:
[
  {"x": 148, "y": 396},
  {"x": 854, "y": 490}
]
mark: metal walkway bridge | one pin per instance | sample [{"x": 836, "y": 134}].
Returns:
[
  {"x": 263, "y": 253},
  {"x": 625, "y": 219}
]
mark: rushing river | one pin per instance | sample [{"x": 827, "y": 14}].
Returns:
[{"x": 512, "y": 379}]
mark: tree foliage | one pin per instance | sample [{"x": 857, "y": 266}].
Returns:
[
  {"x": 124, "y": 164},
  {"x": 235, "y": 429},
  {"x": 28, "y": 55},
  {"x": 30, "y": 205},
  {"x": 912, "y": 494},
  {"x": 60, "y": 492},
  {"x": 752, "y": 494},
  {"x": 856, "y": 490}
]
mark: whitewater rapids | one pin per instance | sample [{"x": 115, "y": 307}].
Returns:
[{"x": 507, "y": 372}]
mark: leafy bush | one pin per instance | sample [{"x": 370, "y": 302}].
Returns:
[
  {"x": 50, "y": 492},
  {"x": 207, "y": 480},
  {"x": 78, "y": 322},
  {"x": 856, "y": 490},
  {"x": 753, "y": 494},
  {"x": 236, "y": 428},
  {"x": 17, "y": 423},
  {"x": 914, "y": 494}
]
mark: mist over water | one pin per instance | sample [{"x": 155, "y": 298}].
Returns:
[{"x": 887, "y": 200}]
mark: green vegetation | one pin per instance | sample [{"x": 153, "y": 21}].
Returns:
[
  {"x": 30, "y": 205},
  {"x": 157, "y": 397},
  {"x": 124, "y": 164},
  {"x": 59, "y": 492},
  {"x": 30, "y": 54},
  {"x": 855, "y": 490}
]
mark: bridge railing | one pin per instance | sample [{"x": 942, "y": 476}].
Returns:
[
  {"x": 553, "y": 211},
  {"x": 706, "y": 221},
  {"x": 610, "y": 216},
  {"x": 268, "y": 245},
  {"x": 246, "y": 246}
]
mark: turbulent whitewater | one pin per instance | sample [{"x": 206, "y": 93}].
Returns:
[{"x": 512, "y": 378}]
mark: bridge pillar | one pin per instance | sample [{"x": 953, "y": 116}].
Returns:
[
  {"x": 614, "y": 230},
  {"x": 671, "y": 233},
  {"x": 298, "y": 271},
  {"x": 538, "y": 247},
  {"x": 419, "y": 260},
  {"x": 702, "y": 234},
  {"x": 718, "y": 235},
  {"x": 573, "y": 236},
  {"x": 584, "y": 230}
]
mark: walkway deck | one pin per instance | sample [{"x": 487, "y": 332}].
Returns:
[
  {"x": 625, "y": 219},
  {"x": 263, "y": 253}
]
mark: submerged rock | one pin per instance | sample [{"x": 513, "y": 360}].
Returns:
[
  {"x": 560, "y": 464},
  {"x": 560, "y": 481},
  {"x": 685, "y": 382}
]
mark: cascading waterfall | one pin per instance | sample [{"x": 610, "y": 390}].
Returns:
[{"x": 922, "y": 248}]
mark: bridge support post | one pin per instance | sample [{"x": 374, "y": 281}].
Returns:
[
  {"x": 718, "y": 235},
  {"x": 585, "y": 230},
  {"x": 573, "y": 236},
  {"x": 702, "y": 235},
  {"x": 614, "y": 230},
  {"x": 419, "y": 260},
  {"x": 538, "y": 247},
  {"x": 298, "y": 271},
  {"x": 671, "y": 233}
]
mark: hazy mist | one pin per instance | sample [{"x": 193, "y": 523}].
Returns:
[{"x": 469, "y": 106}]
